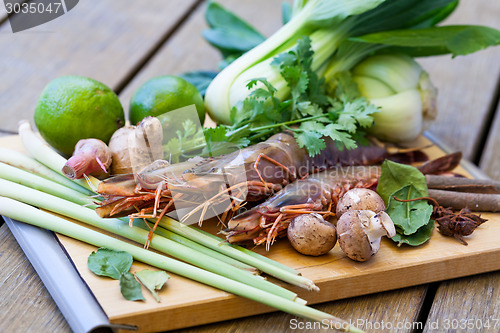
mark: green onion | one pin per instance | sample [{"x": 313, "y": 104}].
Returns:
[
  {"x": 25, "y": 213},
  {"x": 118, "y": 227}
]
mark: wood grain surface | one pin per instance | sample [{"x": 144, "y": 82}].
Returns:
[
  {"x": 466, "y": 84},
  {"x": 466, "y": 305},
  {"x": 490, "y": 159},
  {"x": 186, "y": 50},
  {"x": 26, "y": 306},
  {"x": 105, "y": 40}
]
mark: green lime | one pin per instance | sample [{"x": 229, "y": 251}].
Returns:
[
  {"x": 72, "y": 108},
  {"x": 162, "y": 94}
]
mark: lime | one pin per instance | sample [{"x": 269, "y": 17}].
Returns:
[
  {"x": 163, "y": 94},
  {"x": 72, "y": 108}
]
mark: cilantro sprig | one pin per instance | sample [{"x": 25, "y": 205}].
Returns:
[{"x": 310, "y": 113}]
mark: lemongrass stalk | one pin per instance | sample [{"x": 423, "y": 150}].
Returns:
[
  {"x": 24, "y": 162},
  {"x": 264, "y": 266},
  {"x": 248, "y": 252},
  {"x": 42, "y": 152},
  {"x": 185, "y": 234},
  {"x": 34, "y": 181},
  {"x": 185, "y": 241},
  {"x": 118, "y": 227},
  {"x": 25, "y": 213}
]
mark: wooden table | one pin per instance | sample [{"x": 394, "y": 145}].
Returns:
[{"x": 124, "y": 43}]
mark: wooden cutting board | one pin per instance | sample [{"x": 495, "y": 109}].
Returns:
[{"x": 187, "y": 303}]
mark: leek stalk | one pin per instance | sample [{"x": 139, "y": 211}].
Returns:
[
  {"x": 60, "y": 206},
  {"x": 28, "y": 214}
]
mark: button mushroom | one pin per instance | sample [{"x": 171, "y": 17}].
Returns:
[
  {"x": 360, "y": 231},
  {"x": 311, "y": 235},
  {"x": 360, "y": 199}
]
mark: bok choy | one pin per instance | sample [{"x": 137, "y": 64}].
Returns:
[{"x": 277, "y": 86}]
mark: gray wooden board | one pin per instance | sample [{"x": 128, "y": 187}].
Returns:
[
  {"x": 104, "y": 40},
  {"x": 490, "y": 160},
  {"x": 466, "y": 84}
]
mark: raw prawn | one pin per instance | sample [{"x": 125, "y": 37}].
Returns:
[
  {"x": 224, "y": 182},
  {"x": 318, "y": 193},
  {"x": 261, "y": 170}
]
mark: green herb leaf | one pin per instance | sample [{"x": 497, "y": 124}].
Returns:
[
  {"x": 422, "y": 235},
  {"x": 311, "y": 140},
  {"x": 106, "y": 262},
  {"x": 454, "y": 39},
  {"x": 229, "y": 33},
  {"x": 286, "y": 12},
  {"x": 318, "y": 115},
  {"x": 153, "y": 280},
  {"x": 394, "y": 176},
  {"x": 408, "y": 217},
  {"x": 130, "y": 288},
  {"x": 200, "y": 79}
]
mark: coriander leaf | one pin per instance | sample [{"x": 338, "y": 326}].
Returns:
[
  {"x": 106, "y": 262},
  {"x": 130, "y": 288},
  {"x": 173, "y": 150},
  {"x": 334, "y": 131},
  {"x": 284, "y": 59},
  {"x": 408, "y": 217},
  {"x": 153, "y": 280},
  {"x": 394, "y": 176},
  {"x": 422, "y": 235},
  {"x": 311, "y": 140}
]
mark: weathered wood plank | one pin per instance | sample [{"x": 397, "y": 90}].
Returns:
[
  {"x": 490, "y": 160},
  {"x": 466, "y": 84},
  {"x": 186, "y": 50},
  {"x": 26, "y": 304},
  {"x": 397, "y": 310},
  {"x": 105, "y": 40},
  {"x": 466, "y": 305}
]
